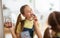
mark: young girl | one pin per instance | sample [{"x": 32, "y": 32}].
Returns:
[
  {"x": 54, "y": 22},
  {"x": 29, "y": 24}
]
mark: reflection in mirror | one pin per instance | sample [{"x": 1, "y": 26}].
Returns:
[{"x": 7, "y": 20}]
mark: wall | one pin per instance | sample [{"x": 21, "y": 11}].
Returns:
[{"x": 1, "y": 23}]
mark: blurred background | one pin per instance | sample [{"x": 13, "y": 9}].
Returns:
[{"x": 41, "y": 8}]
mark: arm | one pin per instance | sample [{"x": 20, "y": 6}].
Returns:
[
  {"x": 12, "y": 31},
  {"x": 13, "y": 34},
  {"x": 36, "y": 27},
  {"x": 37, "y": 31},
  {"x": 17, "y": 34}
]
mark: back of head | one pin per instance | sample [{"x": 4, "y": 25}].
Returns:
[
  {"x": 54, "y": 19},
  {"x": 22, "y": 9}
]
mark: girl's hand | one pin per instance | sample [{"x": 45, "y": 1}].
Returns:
[
  {"x": 36, "y": 27},
  {"x": 35, "y": 20},
  {"x": 12, "y": 28},
  {"x": 9, "y": 25}
]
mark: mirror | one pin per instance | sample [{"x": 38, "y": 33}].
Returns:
[{"x": 11, "y": 10}]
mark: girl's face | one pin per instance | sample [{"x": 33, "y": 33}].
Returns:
[{"x": 28, "y": 12}]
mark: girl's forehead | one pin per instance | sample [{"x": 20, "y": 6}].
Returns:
[{"x": 27, "y": 7}]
